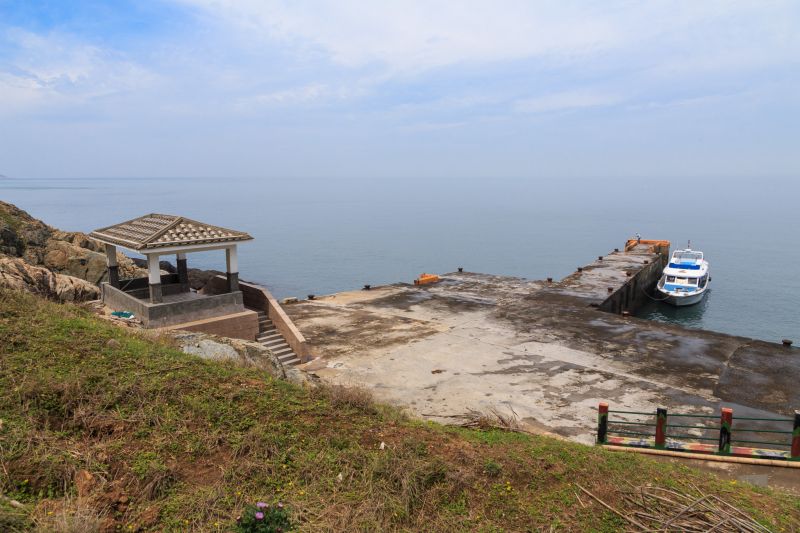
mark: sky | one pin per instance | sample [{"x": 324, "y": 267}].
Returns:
[{"x": 399, "y": 89}]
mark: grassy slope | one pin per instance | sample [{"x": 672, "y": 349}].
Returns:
[{"x": 175, "y": 442}]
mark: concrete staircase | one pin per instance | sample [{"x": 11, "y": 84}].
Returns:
[{"x": 269, "y": 337}]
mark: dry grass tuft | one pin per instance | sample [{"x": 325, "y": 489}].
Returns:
[
  {"x": 356, "y": 397},
  {"x": 494, "y": 419},
  {"x": 72, "y": 517}
]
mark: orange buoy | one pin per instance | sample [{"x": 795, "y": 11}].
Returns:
[{"x": 426, "y": 278}]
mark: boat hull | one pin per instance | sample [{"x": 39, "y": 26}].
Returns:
[{"x": 681, "y": 301}]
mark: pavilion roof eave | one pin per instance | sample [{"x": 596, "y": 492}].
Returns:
[
  {"x": 184, "y": 248},
  {"x": 188, "y": 248}
]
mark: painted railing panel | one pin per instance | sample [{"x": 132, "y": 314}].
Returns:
[{"x": 676, "y": 436}]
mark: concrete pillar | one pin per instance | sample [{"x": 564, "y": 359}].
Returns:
[
  {"x": 232, "y": 268},
  {"x": 183, "y": 272},
  {"x": 154, "y": 275},
  {"x": 113, "y": 267}
]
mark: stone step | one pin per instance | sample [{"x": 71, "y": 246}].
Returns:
[
  {"x": 270, "y": 338},
  {"x": 291, "y": 362},
  {"x": 287, "y": 357},
  {"x": 270, "y": 331},
  {"x": 275, "y": 345},
  {"x": 282, "y": 351}
]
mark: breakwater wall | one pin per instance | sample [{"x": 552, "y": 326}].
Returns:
[
  {"x": 636, "y": 291},
  {"x": 618, "y": 282}
]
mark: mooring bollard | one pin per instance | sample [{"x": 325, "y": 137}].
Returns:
[
  {"x": 580, "y": 269},
  {"x": 787, "y": 343},
  {"x": 796, "y": 436},
  {"x": 367, "y": 287},
  {"x": 461, "y": 269},
  {"x": 549, "y": 280},
  {"x": 602, "y": 423},
  {"x": 661, "y": 427},
  {"x": 725, "y": 427}
]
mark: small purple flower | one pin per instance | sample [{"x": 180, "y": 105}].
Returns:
[
  {"x": 259, "y": 516},
  {"x": 280, "y": 505},
  {"x": 261, "y": 505}
]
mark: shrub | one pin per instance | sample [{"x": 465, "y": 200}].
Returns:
[
  {"x": 492, "y": 468},
  {"x": 264, "y": 518}
]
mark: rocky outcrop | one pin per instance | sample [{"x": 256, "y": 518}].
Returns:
[
  {"x": 15, "y": 273},
  {"x": 245, "y": 353},
  {"x": 70, "y": 253}
]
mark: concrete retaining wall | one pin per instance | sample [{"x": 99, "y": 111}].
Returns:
[
  {"x": 243, "y": 325},
  {"x": 171, "y": 313}
]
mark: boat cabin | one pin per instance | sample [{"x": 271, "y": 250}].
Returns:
[{"x": 686, "y": 259}]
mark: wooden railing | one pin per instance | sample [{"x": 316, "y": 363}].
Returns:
[{"x": 259, "y": 298}]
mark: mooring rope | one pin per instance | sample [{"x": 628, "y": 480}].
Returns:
[{"x": 654, "y": 299}]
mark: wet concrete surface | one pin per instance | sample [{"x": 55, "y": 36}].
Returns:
[{"x": 539, "y": 350}]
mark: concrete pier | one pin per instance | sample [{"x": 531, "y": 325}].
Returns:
[{"x": 548, "y": 351}]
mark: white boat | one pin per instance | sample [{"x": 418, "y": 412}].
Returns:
[{"x": 686, "y": 278}]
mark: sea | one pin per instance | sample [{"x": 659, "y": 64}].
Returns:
[{"x": 319, "y": 235}]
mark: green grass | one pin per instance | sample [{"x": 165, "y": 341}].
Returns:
[{"x": 176, "y": 443}]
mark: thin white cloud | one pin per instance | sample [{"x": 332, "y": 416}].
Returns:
[
  {"x": 53, "y": 70},
  {"x": 567, "y": 100},
  {"x": 413, "y": 36},
  {"x": 309, "y": 93}
]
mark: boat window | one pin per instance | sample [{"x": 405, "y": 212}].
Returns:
[
  {"x": 687, "y": 257},
  {"x": 692, "y": 281},
  {"x": 683, "y": 281},
  {"x": 671, "y": 279}
]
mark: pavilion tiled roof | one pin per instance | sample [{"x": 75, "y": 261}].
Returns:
[{"x": 160, "y": 231}]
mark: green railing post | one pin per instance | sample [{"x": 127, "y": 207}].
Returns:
[
  {"x": 602, "y": 423},
  {"x": 796, "y": 436},
  {"x": 725, "y": 427},
  {"x": 661, "y": 427}
]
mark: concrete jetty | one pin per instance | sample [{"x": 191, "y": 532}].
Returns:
[{"x": 547, "y": 351}]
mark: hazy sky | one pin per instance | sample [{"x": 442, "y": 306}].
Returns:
[{"x": 399, "y": 88}]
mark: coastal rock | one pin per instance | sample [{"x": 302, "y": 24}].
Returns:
[
  {"x": 19, "y": 231},
  {"x": 246, "y": 353},
  {"x": 66, "y": 258},
  {"x": 16, "y": 274},
  {"x": 70, "y": 253},
  {"x": 199, "y": 278},
  {"x": 165, "y": 266}
]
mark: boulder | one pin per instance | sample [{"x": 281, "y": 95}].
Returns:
[
  {"x": 19, "y": 231},
  {"x": 199, "y": 278},
  {"x": 245, "y": 353},
  {"x": 17, "y": 274},
  {"x": 67, "y": 258},
  {"x": 165, "y": 266}
]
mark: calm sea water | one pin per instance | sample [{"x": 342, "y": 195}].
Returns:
[{"x": 317, "y": 236}]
